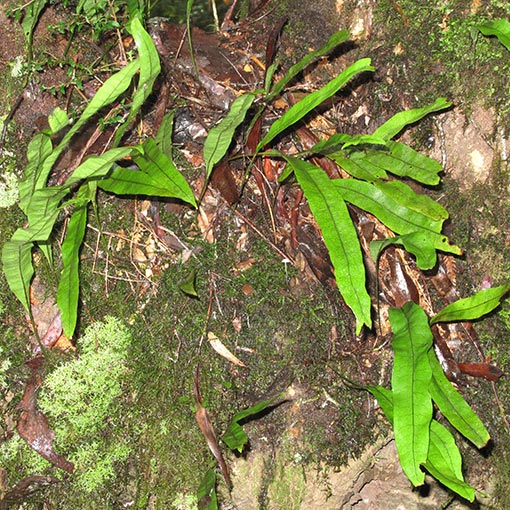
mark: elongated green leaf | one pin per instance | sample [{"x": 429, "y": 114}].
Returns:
[
  {"x": 158, "y": 176},
  {"x": 444, "y": 461},
  {"x": 450, "y": 455},
  {"x": 95, "y": 167},
  {"x": 500, "y": 28},
  {"x": 57, "y": 120},
  {"x": 32, "y": 13},
  {"x": 400, "y": 120},
  {"x": 189, "y": 284},
  {"x": 404, "y": 195},
  {"x": 44, "y": 203},
  {"x": 164, "y": 135},
  {"x": 421, "y": 244},
  {"x": 454, "y": 408},
  {"x": 111, "y": 89},
  {"x": 340, "y": 237},
  {"x": 150, "y": 68},
  {"x": 359, "y": 165},
  {"x": 220, "y": 137},
  {"x": 403, "y": 161},
  {"x": 17, "y": 255},
  {"x": 69, "y": 286},
  {"x": 340, "y": 141},
  {"x": 399, "y": 214},
  {"x": 42, "y": 212},
  {"x": 334, "y": 41},
  {"x": 235, "y": 437},
  {"x": 384, "y": 397},
  {"x": 189, "y": 32},
  {"x": 39, "y": 148},
  {"x": 296, "y": 112},
  {"x": 399, "y": 217},
  {"x": 160, "y": 169},
  {"x": 412, "y": 404},
  {"x": 206, "y": 492},
  {"x": 18, "y": 268},
  {"x": 269, "y": 76},
  {"x": 473, "y": 307}
]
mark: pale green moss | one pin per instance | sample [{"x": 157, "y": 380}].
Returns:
[
  {"x": 16, "y": 451},
  {"x": 5, "y": 364},
  {"x": 185, "y": 502},
  {"x": 81, "y": 399},
  {"x": 9, "y": 193}
]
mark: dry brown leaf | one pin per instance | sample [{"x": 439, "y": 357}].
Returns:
[
  {"x": 33, "y": 425},
  {"x": 205, "y": 225},
  {"x": 218, "y": 346},
  {"x": 238, "y": 325},
  {"x": 242, "y": 242},
  {"x": 207, "y": 429},
  {"x": 244, "y": 265}
]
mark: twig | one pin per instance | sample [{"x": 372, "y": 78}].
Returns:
[{"x": 257, "y": 231}]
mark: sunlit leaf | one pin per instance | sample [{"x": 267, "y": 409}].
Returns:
[
  {"x": 17, "y": 255},
  {"x": 220, "y": 137},
  {"x": 189, "y": 284},
  {"x": 235, "y": 437},
  {"x": 39, "y": 148},
  {"x": 32, "y": 13},
  {"x": 422, "y": 245},
  {"x": 500, "y": 28},
  {"x": 420, "y": 227},
  {"x": 399, "y": 159},
  {"x": 334, "y": 41},
  {"x": 360, "y": 165},
  {"x": 111, "y": 89},
  {"x": 453, "y": 407},
  {"x": 157, "y": 176},
  {"x": 444, "y": 461},
  {"x": 405, "y": 196},
  {"x": 399, "y": 217},
  {"x": 150, "y": 68},
  {"x": 57, "y": 120},
  {"x": 18, "y": 268},
  {"x": 164, "y": 135},
  {"x": 296, "y": 112},
  {"x": 412, "y": 404},
  {"x": 69, "y": 284},
  {"x": 399, "y": 121},
  {"x": 206, "y": 492},
  {"x": 340, "y": 141},
  {"x": 340, "y": 237},
  {"x": 43, "y": 204},
  {"x": 384, "y": 397},
  {"x": 473, "y": 307},
  {"x": 95, "y": 167}
]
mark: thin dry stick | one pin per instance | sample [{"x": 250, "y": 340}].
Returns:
[
  {"x": 500, "y": 406},
  {"x": 257, "y": 231}
]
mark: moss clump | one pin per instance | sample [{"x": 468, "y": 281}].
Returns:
[
  {"x": 81, "y": 399},
  {"x": 9, "y": 193}
]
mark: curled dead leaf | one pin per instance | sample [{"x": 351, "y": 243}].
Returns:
[
  {"x": 33, "y": 425},
  {"x": 218, "y": 346},
  {"x": 207, "y": 429}
]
